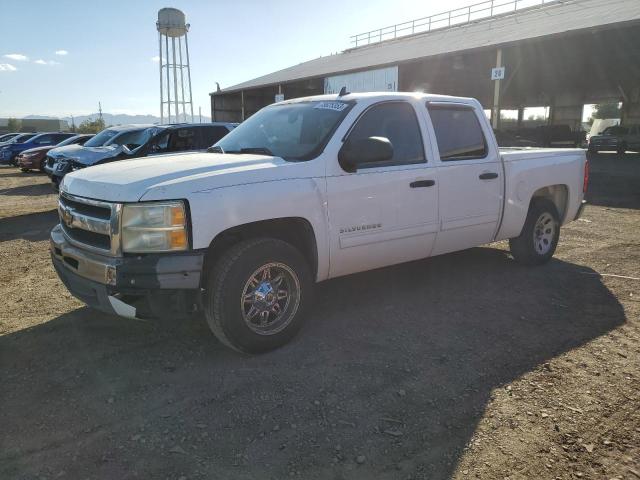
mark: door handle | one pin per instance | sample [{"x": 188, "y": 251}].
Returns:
[
  {"x": 488, "y": 176},
  {"x": 422, "y": 183}
]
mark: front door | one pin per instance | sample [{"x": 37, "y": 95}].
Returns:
[{"x": 385, "y": 213}]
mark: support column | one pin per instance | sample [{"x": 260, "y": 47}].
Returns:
[
  {"x": 520, "y": 116},
  {"x": 242, "y": 104},
  {"x": 495, "y": 111}
]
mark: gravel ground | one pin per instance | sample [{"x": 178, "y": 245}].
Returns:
[{"x": 461, "y": 366}]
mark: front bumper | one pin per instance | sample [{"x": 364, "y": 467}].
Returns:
[
  {"x": 6, "y": 157},
  {"x": 115, "y": 285},
  {"x": 24, "y": 162}
]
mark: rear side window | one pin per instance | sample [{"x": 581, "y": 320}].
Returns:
[
  {"x": 45, "y": 139},
  {"x": 396, "y": 121},
  {"x": 458, "y": 132},
  {"x": 211, "y": 135},
  {"x": 182, "y": 139}
]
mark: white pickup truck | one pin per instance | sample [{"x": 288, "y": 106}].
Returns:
[{"x": 303, "y": 191}]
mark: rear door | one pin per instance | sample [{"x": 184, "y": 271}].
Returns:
[
  {"x": 470, "y": 177},
  {"x": 384, "y": 213}
]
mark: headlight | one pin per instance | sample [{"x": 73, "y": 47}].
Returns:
[{"x": 154, "y": 227}]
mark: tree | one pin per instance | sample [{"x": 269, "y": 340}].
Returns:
[
  {"x": 14, "y": 125},
  {"x": 606, "y": 110},
  {"x": 92, "y": 126}
]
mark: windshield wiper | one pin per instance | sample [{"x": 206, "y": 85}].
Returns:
[{"x": 263, "y": 150}]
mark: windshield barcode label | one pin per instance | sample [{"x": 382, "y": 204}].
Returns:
[{"x": 336, "y": 106}]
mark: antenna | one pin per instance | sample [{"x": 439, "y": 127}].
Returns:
[
  {"x": 172, "y": 25},
  {"x": 343, "y": 92}
]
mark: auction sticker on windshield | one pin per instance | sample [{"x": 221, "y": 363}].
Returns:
[{"x": 335, "y": 106}]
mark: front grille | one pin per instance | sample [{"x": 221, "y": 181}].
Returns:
[{"x": 91, "y": 224}]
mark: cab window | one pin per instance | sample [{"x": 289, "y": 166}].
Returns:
[
  {"x": 458, "y": 132},
  {"x": 397, "y": 122}
]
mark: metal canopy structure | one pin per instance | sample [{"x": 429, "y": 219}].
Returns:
[{"x": 561, "y": 53}]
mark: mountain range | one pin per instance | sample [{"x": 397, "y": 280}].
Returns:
[{"x": 112, "y": 119}]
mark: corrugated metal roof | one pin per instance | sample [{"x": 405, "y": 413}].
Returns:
[{"x": 551, "y": 19}]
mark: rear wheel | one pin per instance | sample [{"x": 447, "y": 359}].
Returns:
[
  {"x": 24, "y": 170},
  {"x": 256, "y": 294},
  {"x": 539, "y": 238}
]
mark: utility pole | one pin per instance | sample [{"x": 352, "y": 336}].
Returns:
[
  {"x": 200, "y": 113},
  {"x": 100, "y": 111},
  {"x": 73, "y": 124}
]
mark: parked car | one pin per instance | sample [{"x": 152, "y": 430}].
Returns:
[
  {"x": 303, "y": 191},
  {"x": 7, "y": 136},
  {"x": 10, "y": 151},
  {"x": 617, "y": 138},
  {"x": 134, "y": 141},
  {"x": 556, "y": 136},
  {"x": 22, "y": 137},
  {"x": 510, "y": 139},
  {"x": 35, "y": 158}
]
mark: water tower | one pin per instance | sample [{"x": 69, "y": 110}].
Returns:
[{"x": 172, "y": 26}]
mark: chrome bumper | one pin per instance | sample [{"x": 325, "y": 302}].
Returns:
[
  {"x": 99, "y": 280},
  {"x": 91, "y": 266}
]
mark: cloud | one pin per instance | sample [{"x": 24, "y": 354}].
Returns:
[
  {"x": 17, "y": 56},
  {"x": 7, "y": 67},
  {"x": 61, "y": 52},
  {"x": 155, "y": 59},
  {"x": 46, "y": 62}
]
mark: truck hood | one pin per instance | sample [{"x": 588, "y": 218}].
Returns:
[{"x": 174, "y": 175}]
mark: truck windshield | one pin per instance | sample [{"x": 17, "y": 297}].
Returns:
[{"x": 294, "y": 131}]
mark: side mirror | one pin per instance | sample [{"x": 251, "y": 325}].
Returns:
[{"x": 358, "y": 153}]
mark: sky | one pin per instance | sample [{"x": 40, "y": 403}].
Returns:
[{"x": 62, "y": 57}]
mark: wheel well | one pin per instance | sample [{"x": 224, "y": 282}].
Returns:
[
  {"x": 293, "y": 230},
  {"x": 558, "y": 194}
]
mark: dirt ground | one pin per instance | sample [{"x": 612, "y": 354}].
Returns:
[{"x": 461, "y": 366}]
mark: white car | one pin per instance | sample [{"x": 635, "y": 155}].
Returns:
[{"x": 303, "y": 191}]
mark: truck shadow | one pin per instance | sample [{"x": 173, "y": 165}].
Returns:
[
  {"x": 34, "y": 227},
  {"x": 398, "y": 365}
]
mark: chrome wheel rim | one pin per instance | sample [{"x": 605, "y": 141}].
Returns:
[
  {"x": 544, "y": 233},
  {"x": 270, "y": 298}
]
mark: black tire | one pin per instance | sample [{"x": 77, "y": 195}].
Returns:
[
  {"x": 228, "y": 281},
  {"x": 536, "y": 246},
  {"x": 25, "y": 170},
  {"x": 621, "y": 149}
]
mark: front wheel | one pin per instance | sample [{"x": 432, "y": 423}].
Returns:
[
  {"x": 256, "y": 294},
  {"x": 25, "y": 170},
  {"x": 539, "y": 238}
]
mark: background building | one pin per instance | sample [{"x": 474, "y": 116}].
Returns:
[{"x": 561, "y": 55}]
